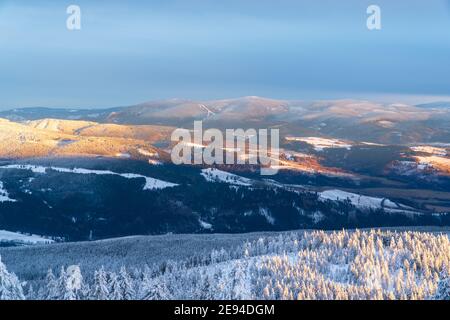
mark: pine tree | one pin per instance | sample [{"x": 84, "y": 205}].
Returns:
[
  {"x": 114, "y": 288},
  {"x": 30, "y": 295},
  {"x": 10, "y": 287},
  {"x": 157, "y": 290},
  {"x": 50, "y": 291},
  {"x": 126, "y": 285},
  {"x": 70, "y": 283},
  {"x": 443, "y": 289},
  {"x": 100, "y": 289}
]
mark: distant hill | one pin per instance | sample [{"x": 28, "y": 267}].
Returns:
[
  {"x": 436, "y": 105},
  {"x": 23, "y": 114},
  {"x": 347, "y": 119}
]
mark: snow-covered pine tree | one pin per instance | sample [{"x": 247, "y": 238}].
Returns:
[
  {"x": 10, "y": 287},
  {"x": 100, "y": 289},
  {"x": 70, "y": 283},
  {"x": 30, "y": 295},
  {"x": 50, "y": 290},
  {"x": 75, "y": 281},
  {"x": 126, "y": 285},
  {"x": 443, "y": 289},
  {"x": 156, "y": 289},
  {"x": 115, "y": 292}
]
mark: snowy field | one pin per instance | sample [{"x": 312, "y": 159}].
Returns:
[
  {"x": 150, "y": 183},
  {"x": 364, "y": 202},
  {"x": 22, "y": 239},
  {"x": 216, "y": 175},
  {"x": 320, "y": 144}
]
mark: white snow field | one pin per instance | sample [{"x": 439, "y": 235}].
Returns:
[
  {"x": 150, "y": 183},
  {"x": 321, "y": 144},
  {"x": 364, "y": 202},
  {"x": 216, "y": 175},
  {"x": 19, "y": 238}
]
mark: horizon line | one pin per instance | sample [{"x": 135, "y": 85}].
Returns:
[{"x": 382, "y": 98}]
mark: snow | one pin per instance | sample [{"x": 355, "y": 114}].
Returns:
[
  {"x": 155, "y": 184},
  {"x": 148, "y": 153},
  {"x": 32, "y": 168},
  {"x": 150, "y": 183},
  {"x": 81, "y": 171},
  {"x": 361, "y": 201},
  {"x": 4, "y": 195},
  {"x": 8, "y": 236},
  {"x": 322, "y": 143},
  {"x": 266, "y": 214},
  {"x": 209, "y": 112},
  {"x": 424, "y": 165},
  {"x": 317, "y": 216},
  {"x": 123, "y": 155},
  {"x": 154, "y": 162},
  {"x": 441, "y": 163},
  {"x": 355, "y": 199},
  {"x": 308, "y": 264},
  {"x": 194, "y": 145},
  {"x": 408, "y": 168},
  {"x": 430, "y": 150},
  {"x": 215, "y": 175},
  {"x": 205, "y": 225}
]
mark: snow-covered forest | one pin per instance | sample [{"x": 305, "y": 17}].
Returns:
[{"x": 302, "y": 265}]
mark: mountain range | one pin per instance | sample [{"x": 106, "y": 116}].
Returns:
[
  {"x": 347, "y": 119},
  {"x": 92, "y": 174}
]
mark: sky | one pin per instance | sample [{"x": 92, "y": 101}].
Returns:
[{"x": 133, "y": 51}]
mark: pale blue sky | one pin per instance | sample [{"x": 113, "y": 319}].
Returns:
[{"x": 133, "y": 51}]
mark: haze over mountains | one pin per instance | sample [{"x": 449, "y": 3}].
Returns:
[{"x": 374, "y": 122}]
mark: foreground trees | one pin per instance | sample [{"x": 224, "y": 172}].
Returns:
[
  {"x": 443, "y": 289},
  {"x": 304, "y": 265},
  {"x": 10, "y": 287}
]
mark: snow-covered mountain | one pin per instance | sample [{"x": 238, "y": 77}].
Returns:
[{"x": 364, "y": 120}]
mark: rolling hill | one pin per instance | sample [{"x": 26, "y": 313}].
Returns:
[
  {"x": 49, "y": 137},
  {"x": 394, "y": 123}
]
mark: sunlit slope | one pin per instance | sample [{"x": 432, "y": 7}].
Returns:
[
  {"x": 148, "y": 133},
  {"x": 68, "y": 138}
]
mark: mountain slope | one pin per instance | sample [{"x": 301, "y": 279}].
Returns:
[{"x": 68, "y": 138}]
